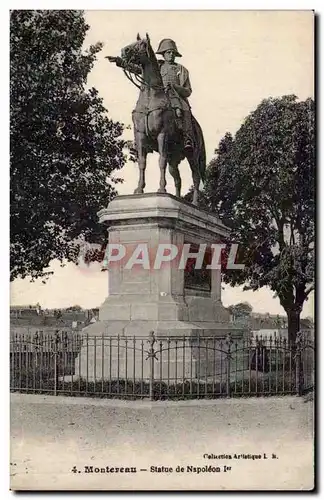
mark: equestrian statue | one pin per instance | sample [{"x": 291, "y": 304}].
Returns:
[{"x": 162, "y": 117}]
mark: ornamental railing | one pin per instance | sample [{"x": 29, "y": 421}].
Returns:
[{"x": 160, "y": 367}]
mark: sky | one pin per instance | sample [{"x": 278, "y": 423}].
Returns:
[{"x": 235, "y": 59}]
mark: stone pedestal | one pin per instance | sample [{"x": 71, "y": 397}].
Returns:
[{"x": 166, "y": 300}]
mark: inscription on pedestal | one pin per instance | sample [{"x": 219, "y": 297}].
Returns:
[{"x": 198, "y": 279}]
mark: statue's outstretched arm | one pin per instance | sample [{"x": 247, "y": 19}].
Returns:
[{"x": 133, "y": 68}]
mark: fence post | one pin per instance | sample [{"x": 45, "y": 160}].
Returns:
[
  {"x": 228, "y": 342},
  {"x": 299, "y": 375},
  {"x": 34, "y": 358},
  {"x": 151, "y": 354},
  {"x": 56, "y": 376}
]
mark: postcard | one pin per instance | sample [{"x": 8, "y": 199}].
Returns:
[{"x": 162, "y": 247}]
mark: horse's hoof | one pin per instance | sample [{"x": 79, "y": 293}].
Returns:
[
  {"x": 139, "y": 191},
  {"x": 161, "y": 190}
]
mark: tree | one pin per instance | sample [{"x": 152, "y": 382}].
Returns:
[
  {"x": 63, "y": 147},
  {"x": 242, "y": 310},
  {"x": 57, "y": 313},
  {"x": 75, "y": 308},
  {"x": 261, "y": 184}
]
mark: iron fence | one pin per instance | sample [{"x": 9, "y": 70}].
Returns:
[{"x": 162, "y": 367}]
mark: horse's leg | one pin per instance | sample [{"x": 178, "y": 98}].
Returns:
[
  {"x": 195, "y": 177},
  {"x": 142, "y": 154},
  {"x": 163, "y": 160},
  {"x": 174, "y": 171}
]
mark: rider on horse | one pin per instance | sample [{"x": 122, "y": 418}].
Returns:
[
  {"x": 162, "y": 103},
  {"x": 176, "y": 83}
]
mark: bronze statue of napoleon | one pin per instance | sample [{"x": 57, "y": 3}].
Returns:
[{"x": 162, "y": 117}]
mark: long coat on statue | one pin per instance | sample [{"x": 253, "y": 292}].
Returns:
[{"x": 176, "y": 74}]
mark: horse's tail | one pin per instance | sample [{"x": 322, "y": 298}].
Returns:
[{"x": 201, "y": 153}]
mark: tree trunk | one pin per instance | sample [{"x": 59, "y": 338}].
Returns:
[{"x": 293, "y": 325}]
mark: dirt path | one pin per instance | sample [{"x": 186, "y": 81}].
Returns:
[{"x": 50, "y": 435}]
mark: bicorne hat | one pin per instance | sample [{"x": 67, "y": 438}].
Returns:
[{"x": 168, "y": 44}]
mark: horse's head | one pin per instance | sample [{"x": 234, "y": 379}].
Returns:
[{"x": 138, "y": 52}]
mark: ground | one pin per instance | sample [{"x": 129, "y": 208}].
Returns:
[{"x": 50, "y": 435}]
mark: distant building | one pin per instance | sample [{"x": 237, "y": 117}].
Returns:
[
  {"x": 270, "y": 332},
  {"x": 271, "y": 324},
  {"x": 26, "y": 311}
]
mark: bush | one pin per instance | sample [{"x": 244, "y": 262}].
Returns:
[{"x": 266, "y": 386}]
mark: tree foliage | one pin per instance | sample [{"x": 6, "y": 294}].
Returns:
[
  {"x": 63, "y": 146},
  {"x": 242, "y": 309},
  {"x": 261, "y": 184}
]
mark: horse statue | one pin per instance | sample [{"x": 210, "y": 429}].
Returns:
[{"x": 156, "y": 127}]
